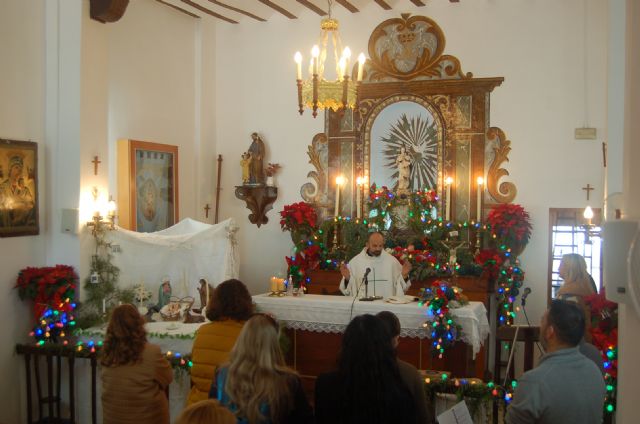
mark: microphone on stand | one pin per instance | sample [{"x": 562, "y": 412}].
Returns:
[
  {"x": 526, "y": 293},
  {"x": 365, "y": 280}
]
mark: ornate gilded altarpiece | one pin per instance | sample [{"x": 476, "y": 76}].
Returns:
[{"x": 413, "y": 95}]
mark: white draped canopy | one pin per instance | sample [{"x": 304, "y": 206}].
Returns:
[{"x": 184, "y": 253}]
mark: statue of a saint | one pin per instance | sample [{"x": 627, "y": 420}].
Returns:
[
  {"x": 164, "y": 294},
  {"x": 403, "y": 163},
  {"x": 256, "y": 174},
  {"x": 245, "y": 163}
]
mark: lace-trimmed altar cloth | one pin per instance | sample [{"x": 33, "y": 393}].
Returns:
[{"x": 331, "y": 314}]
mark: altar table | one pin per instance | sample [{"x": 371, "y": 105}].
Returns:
[{"x": 316, "y": 323}]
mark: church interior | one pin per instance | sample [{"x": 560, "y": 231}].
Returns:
[{"x": 527, "y": 103}]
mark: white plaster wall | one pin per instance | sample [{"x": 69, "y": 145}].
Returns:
[
  {"x": 537, "y": 46},
  {"x": 21, "y": 118},
  {"x": 152, "y": 89}
]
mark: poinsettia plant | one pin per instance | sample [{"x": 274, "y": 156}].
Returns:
[
  {"x": 510, "y": 225},
  {"x": 48, "y": 287},
  {"x": 299, "y": 216},
  {"x": 604, "y": 336}
]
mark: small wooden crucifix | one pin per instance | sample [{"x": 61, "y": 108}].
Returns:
[
  {"x": 588, "y": 189},
  {"x": 207, "y": 208},
  {"x": 95, "y": 163}
]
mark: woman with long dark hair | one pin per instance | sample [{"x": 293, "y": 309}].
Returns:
[
  {"x": 367, "y": 386},
  {"x": 256, "y": 385},
  {"x": 135, "y": 374},
  {"x": 230, "y": 306}
]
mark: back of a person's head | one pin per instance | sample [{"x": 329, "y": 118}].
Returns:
[
  {"x": 257, "y": 372},
  {"x": 258, "y": 343},
  {"x": 391, "y": 321},
  {"x": 125, "y": 337},
  {"x": 576, "y": 267},
  {"x": 367, "y": 369},
  {"x": 567, "y": 319},
  {"x": 230, "y": 300},
  {"x": 206, "y": 412}
]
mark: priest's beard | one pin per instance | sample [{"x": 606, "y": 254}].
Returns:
[{"x": 374, "y": 253}]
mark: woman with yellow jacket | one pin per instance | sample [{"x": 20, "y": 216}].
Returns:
[{"x": 231, "y": 306}]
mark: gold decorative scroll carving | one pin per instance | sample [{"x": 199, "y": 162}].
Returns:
[
  {"x": 408, "y": 48},
  {"x": 502, "y": 192},
  {"x": 315, "y": 192}
]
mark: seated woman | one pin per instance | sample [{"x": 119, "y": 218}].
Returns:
[
  {"x": 206, "y": 412},
  {"x": 577, "y": 286},
  {"x": 230, "y": 307},
  {"x": 256, "y": 385},
  {"x": 367, "y": 387},
  {"x": 135, "y": 374}
]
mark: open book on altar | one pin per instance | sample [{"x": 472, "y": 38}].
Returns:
[
  {"x": 459, "y": 414},
  {"x": 404, "y": 298}
]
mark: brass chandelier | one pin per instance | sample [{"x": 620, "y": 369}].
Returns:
[{"x": 316, "y": 92}]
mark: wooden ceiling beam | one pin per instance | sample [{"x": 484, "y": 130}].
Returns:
[
  {"x": 312, "y": 6},
  {"x": 383, "y": 4},
  {"x": 179, "y": 9},
  {"x": 418, "y": 3},
  {"x": 208, "y": 12},
  {"x": 278, "y": 9},
  {"x": 235, "y": 9},
  {"x": 351, "y": 8}
]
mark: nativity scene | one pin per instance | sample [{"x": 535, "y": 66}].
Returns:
[{"x": 415, "y": 224}]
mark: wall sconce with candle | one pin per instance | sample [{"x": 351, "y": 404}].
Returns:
[{"x": 99, "y": 223}]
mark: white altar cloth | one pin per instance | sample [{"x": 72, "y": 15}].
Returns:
[{"x": 331, "y": 314}]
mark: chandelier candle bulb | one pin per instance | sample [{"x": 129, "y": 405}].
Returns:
[
  {"x": 361, "y": 60},
  {"x": 588, "y": 214},
  {"x": 298, "y": 59},
  {"x": 480, "y": 181},
  {"x": 315, "y": 52}
]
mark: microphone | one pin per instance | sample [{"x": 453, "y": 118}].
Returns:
[
  {"x": 366, "y": 272},
  {"x": 526, "y": 293}
]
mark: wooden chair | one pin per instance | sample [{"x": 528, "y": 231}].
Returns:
[{"x": 53, "y": 360}]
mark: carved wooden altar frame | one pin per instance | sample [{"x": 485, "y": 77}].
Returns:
[{"x": 458, "y": 101}]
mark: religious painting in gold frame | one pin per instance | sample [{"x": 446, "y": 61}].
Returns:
[
  {"x": 18, "y": 188},
  {"x": 147, "y": 185}
]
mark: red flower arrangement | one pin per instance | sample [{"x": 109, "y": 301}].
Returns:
[
  {"x": 298, "y": 216},
  {"x": 490, "y": 260},
  {"x": 510, "y": 225},
  {"x": 48, "y": 287}
]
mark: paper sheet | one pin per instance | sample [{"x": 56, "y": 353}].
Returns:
[{"x": 459, "y": 414}]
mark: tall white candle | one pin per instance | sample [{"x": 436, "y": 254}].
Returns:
[
  {"x": 207, "y": 291},
  {"x": 480, "y": 181},
  {"x": 447, "y": 200},
  {"x": 339, "y": 181},
  {"x": 104, "y": 305},
  {"x": 359, "y": 184}
]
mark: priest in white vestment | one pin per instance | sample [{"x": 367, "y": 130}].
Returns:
[{"x": 389, "y": 277}]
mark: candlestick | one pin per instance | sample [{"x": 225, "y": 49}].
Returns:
[
  {"x": 447, "y": 200},
  {"x": 480, "y": 181},
  {"x": 298, "y": 60}
]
